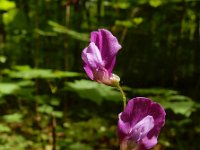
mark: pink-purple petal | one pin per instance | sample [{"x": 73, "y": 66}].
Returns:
[
  {"x": 149, "y": 143},
  {"x": 123, "y": 128},
  {"x": 141, "y": 129},
  {"x": 134, "y": 114},
  {"x": 92, "y": 57},
  {"x": 88, "y": 70},
  {"x": 136, "y": 109},
  {"x": 108, "y": 46}
]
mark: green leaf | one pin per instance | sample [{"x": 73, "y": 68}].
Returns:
[
  {"x": 16, "y": 21},
  {"x": 155, "y": 3},
  {"x": 21, "y": 68},
  {"x": 58, "y": 114},
  {"x": 138, "y": 20},
  {"x": 154, "y": 91},
  {"x": 14, "y": 141},
  {"x": 8, "y": 88},
  {"x": 4, "y": 128},
  {"x": 62, "y": 74},
  {"x": 16, "y": 117},
  {"x": 45, "y": 109},
  {"x": 117, "y": 5},
  {"x": 6, "y": 5},
  {"x": 25, "y": 72},
  {"x": 94, "y": 91},
  {"x": 179, "y": 104},
  {"x": 74, "y": 34},
  {"x": 121, "y": 5},
  {"x": 55, "y": 101},
  {"x": 3, "y": 59},
  {"x": 9, "y": 16},
  {"x": 78, "y": 146},
  {"x": 125, "y": 23}
]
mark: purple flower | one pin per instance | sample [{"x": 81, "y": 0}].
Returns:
[
  {"x": 99, "y": 57},
  {"x": 140, "y": 123}
]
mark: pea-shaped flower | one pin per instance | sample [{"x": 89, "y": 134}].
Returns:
[
  {"x": 99, "y": 57},
  {"x": 140, "y": 123}
]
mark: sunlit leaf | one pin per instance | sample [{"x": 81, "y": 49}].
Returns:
[
  {"x": 57, "y": 114},
  {"x": 6, "y": 5},
  {"x": 8, "y": 88},
  {"x": 117, "y": 5},
  {"x": 16, "y": 142},
  {"x": 45, "y": 109},
  {"x": 125, "y": 23},
  {"x": 74, "y": 34},
  {"x": 155, "y": 3},
  {"x": 62, "y": 74},
  {"x": 9, "y": 16},
  {"x": 93, "y": 91},
  {"x": 25, "y": 72},
  {"x": 78, "y": 146},
  {"x": 16, "y": 20},
  {"x": 153, "y": 91},
  {"x": 182, "y": 107},
  {"x": 16, "y": 117},
  {"x": 4, "y": 128},
  {"x": 3, "y": 59},
  {"x": 21, "y": 68},
  {"x": 138, "y": 20},
  {"x": 121, "y": 5},
  {"x": 55, "y": 102}
]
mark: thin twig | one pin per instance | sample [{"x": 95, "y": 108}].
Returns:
[{"x": 53, "y": 132}]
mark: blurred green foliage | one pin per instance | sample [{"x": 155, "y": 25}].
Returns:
[{"x": 46, "y": 99}]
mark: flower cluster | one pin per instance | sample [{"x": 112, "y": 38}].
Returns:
[{"x": 142, "y": 119}]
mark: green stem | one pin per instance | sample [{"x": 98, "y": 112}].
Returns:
[{"x": 123, "y": 94}]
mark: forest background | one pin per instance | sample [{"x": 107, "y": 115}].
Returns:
[{"x": 48, "y": 103}]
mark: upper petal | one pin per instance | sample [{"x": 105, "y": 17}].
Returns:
[
  {"x": 136, "y": 110},
  {"x": 108, "y": 46},
  {"x": 158, "y": 114}
]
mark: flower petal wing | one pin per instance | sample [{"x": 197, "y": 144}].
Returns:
[
  {"x": 108, "y": 46},
  {"x": 92, "y": 59},
  {"x": 141, "y": 129},
  {"x": 88, "y": 71},
  {"x": 136, "y": 109},
  {"x": 158, "y": 113}
]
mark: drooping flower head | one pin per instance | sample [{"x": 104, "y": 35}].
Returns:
[
  {"x": 140, "y": 123},
  {"x": 99, "y": 57}
]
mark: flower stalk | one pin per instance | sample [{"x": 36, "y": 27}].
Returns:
[{"x": 123, "y": 94}]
